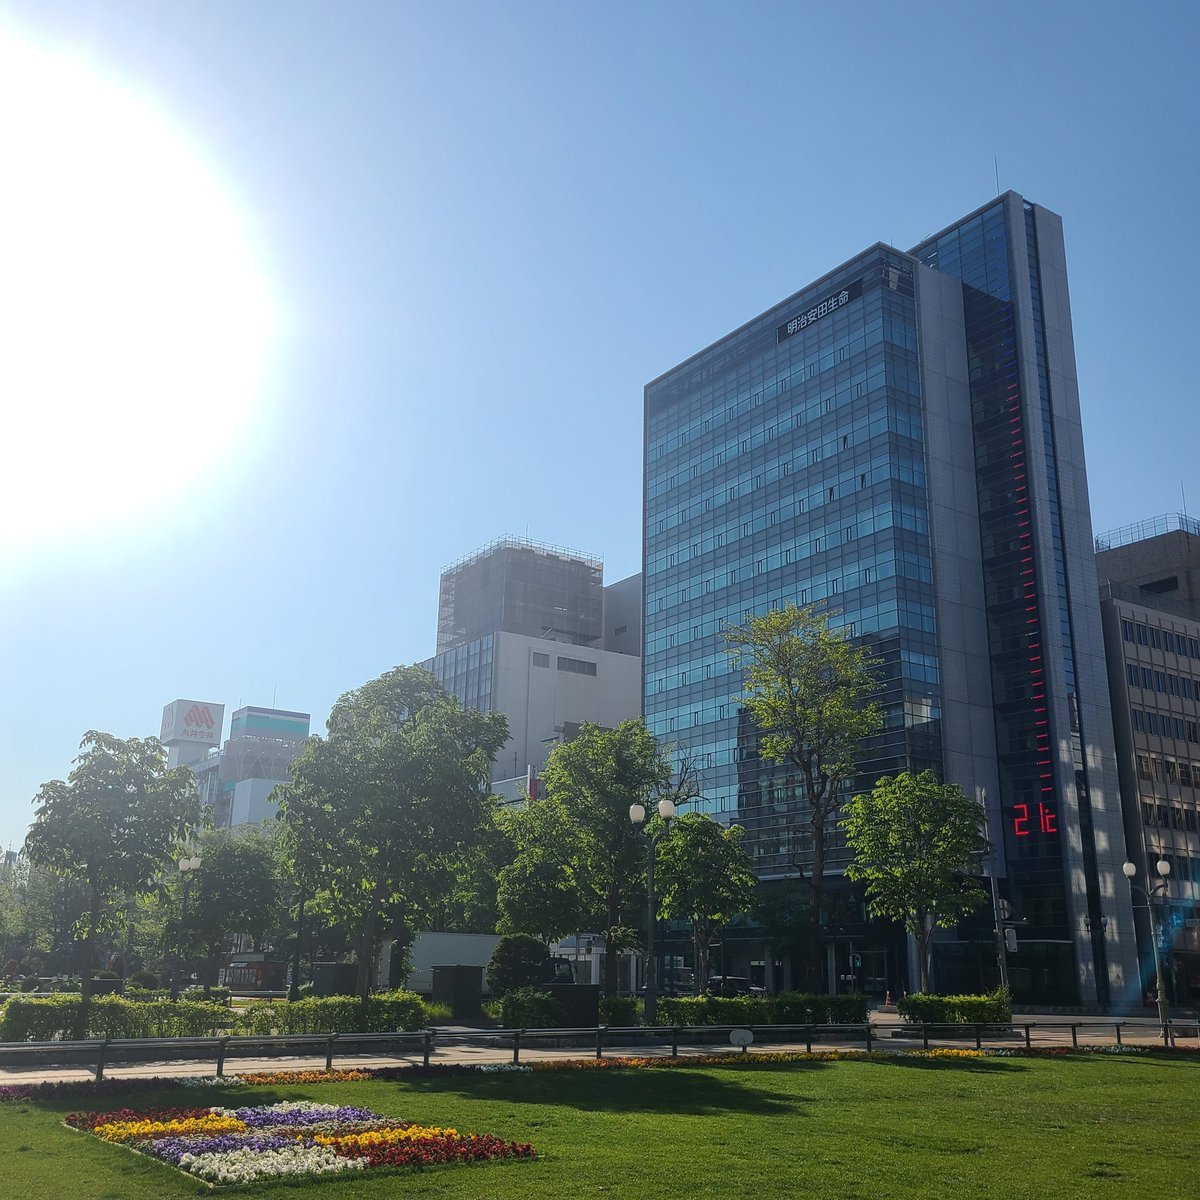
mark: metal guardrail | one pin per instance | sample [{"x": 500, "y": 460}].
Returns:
[{"x": 108, "y": 1051}]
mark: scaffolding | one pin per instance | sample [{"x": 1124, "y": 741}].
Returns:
[{"x": 515, "y": 585}]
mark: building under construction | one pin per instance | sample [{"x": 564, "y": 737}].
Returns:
[{"x": 518, "y": 586}]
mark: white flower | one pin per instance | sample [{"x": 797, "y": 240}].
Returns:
[{"x": 245, "y": 1166}]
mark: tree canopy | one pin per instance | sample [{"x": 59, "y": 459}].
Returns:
[
  {"x": 914, "y": 840},
  {"x": 580, "y": 861},
  {"x": 392, "y": 795},
  {"x": 112, "y": 824},
  {"x": 236, "y": 889},
  {"x": 807, "y": 687},
  {"x": 704, "y": 877}
]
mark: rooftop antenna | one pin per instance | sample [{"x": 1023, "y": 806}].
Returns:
[
  {"x": 274, "y": 689},
  {"x": 996, "y": 164},
  {"x": 1183, "y": 497}
]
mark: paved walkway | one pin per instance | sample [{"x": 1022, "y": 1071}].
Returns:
[{"x": 1047, "y": 1030}]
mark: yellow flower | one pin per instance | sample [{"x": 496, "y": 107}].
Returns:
[
  {"x": 385, "y": 1137},
  {"x": 129, "y": 1131}
]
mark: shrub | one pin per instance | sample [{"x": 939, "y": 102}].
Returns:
[
  {"x": 952, "y": 1010},
  {"x": 215, "y": 993},
  {"x": 147, "y": 980},
  {"x": 52, "y": 1018},
  {"x": 383, "y": 1013},
  {"x": 787, "y": 1008},
  {"x": 30, "y": 983},
  {"x": 530, "y": 1008},
  {"x": 144, "y": 995},
  {"x": 622, "y": 1011},
  {"x": 518, "y": 961},
  {"x": 851, "y": 1009}
]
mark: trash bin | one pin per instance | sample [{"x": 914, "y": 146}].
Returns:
[{"x": 334, "y": 979}]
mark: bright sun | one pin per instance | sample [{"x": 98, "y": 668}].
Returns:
[{"x": 134, "y": 317}]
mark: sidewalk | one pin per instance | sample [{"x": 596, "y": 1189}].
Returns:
[{"x": 1047, "y": 1031}]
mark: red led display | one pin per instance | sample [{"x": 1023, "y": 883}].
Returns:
[{"x": 1047, "y": 821}]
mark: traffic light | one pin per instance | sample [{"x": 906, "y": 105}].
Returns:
[{"x": 1010, "y": 940}]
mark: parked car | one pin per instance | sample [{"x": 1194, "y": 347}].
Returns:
[{"x": 733, "y": 985}]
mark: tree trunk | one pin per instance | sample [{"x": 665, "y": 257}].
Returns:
[
  {"x": 815, "y": 963},
  {"x": 611, "y": 981},
  {"x": 89, "y": 943},
  {"x": 700, "y": 943},
  {"x": 922, "y": 934},
  {"x": 367, "y": 949}
]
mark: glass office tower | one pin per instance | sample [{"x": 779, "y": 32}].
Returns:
[{"x": 900, "y": 442}]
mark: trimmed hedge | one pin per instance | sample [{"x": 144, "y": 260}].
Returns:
[
  {"x": 952, "y": 1010},
  {"x": 386, "y": 1012},
  {"x": 54, "y": 1018},
  {"x": 787, "y": 1008},
  {"x": 621, "y": 1011}
]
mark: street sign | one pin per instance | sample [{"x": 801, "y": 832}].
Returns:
[{"x": 741, "y": 1037}]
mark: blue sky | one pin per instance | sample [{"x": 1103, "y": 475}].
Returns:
[{"x": 490, "y": 224}]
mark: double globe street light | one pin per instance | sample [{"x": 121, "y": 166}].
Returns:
[
  {"x": 637, "y": 814},
  {"x": 1149, "y": 892}
]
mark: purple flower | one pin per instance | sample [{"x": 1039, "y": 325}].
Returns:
[
  {"x": 303, "y": 1114},
  {"x": 172, "y": 1149}
]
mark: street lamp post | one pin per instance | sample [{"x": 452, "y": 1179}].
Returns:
[
  {"x": 186, "y": 867},
  {"x": 294, "y": 989},
  {"x": 1153, "y": 889},
  {"x": 637, "y": 814},
  {"x": 999, "y": 915}
]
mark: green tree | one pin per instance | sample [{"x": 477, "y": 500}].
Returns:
[
  {"x": 466, "y": 900},
  {"x": 914, "y": 841},
  {"x": 518, "y": 961},
  {"x": 704, "y": 876},
  {"x": 236, "y": 889},
  {"x": 388, "y": 799},
  {"x": 538, "y": 892},
  {"x": 807, "y": 687},
  {"x": 580, "y": 861},
  {"x": 112, "y": 825}
]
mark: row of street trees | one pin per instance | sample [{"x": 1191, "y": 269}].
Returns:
[
  {"x": 580, "y": 863},
  {"x": 387, "y": 825}
]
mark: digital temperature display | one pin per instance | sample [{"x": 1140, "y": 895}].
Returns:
[{"x": 1027, "y": 821}]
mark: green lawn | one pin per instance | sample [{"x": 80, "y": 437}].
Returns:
[{"x": 1046, "y": 1128}]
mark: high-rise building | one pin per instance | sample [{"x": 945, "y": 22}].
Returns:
[
  {"x": 236, "y": 780},
  {"x": 1150, "y": 602},
  {"x": 531, "y": 631},
  {"x": 900, "y": 441},
  {"x": 190, "y": 729}
]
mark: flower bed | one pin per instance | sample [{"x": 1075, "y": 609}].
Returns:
[{"x": 293, "y": 1138}]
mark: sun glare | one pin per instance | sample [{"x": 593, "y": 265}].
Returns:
[{"x": 134, "y": 316}]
